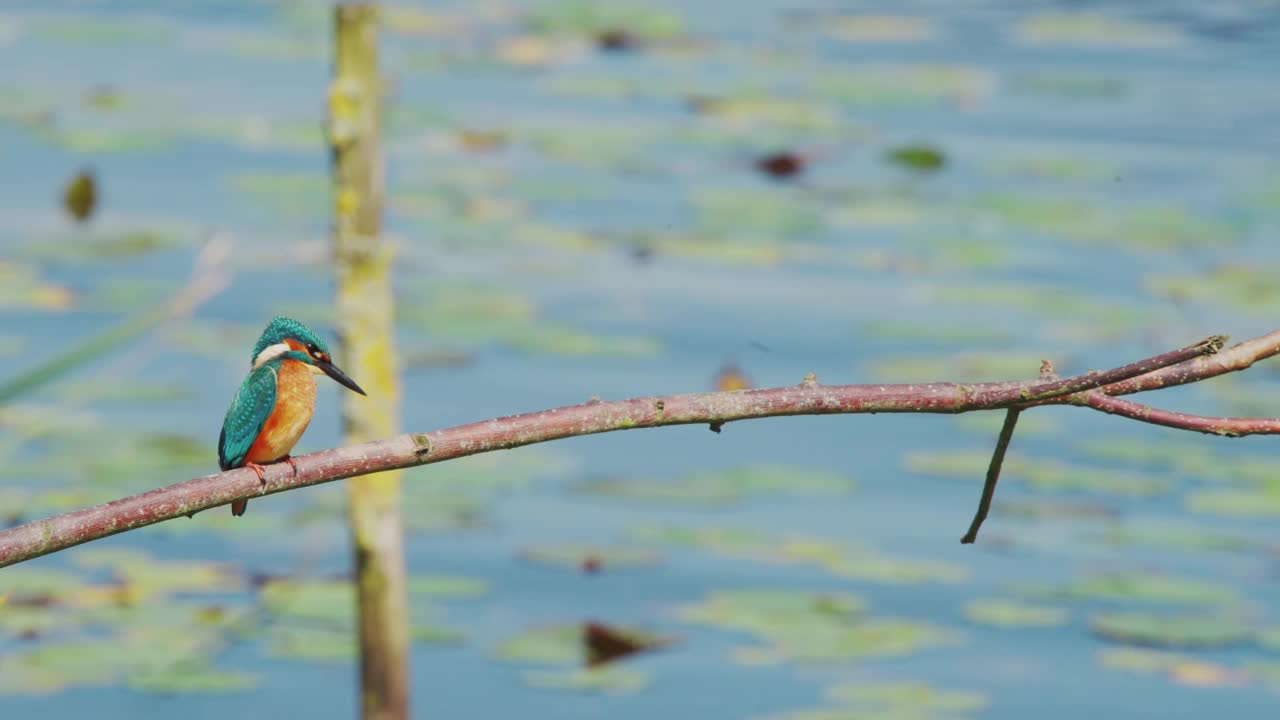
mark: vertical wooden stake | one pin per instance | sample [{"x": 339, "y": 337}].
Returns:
[{"x": 364, "y": 317}]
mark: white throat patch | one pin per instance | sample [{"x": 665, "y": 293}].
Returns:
[{"x": 270, "y": 353}]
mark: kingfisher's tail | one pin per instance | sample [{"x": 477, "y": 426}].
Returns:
[{"x": 239, "y": 506}]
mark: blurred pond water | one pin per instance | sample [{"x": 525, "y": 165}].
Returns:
[{"x": 622, "y": 199}]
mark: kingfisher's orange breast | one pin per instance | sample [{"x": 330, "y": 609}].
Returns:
[{"x": 295, "y": 403}]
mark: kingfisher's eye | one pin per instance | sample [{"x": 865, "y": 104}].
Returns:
[{"x": 311, "y": 348}]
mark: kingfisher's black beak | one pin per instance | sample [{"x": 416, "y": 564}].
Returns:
[{"x": 340, "y": 377}]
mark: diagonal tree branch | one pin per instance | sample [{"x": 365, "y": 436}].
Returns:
[
  {"x": 1226, "y": 426},
  {"x": 49, "y": 535}
]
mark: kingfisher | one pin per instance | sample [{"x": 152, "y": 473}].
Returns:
[{"x": 274, "y": 404}]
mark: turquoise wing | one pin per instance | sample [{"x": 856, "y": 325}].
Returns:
[{"x": 248, "y": 413}]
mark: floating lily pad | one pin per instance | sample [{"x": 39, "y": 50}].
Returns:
[
  {"x": 1039, "y": 473},
  {"x": 478, "y": 316},
  {"x": 907, "y": 698},
  {"x": 1094, "y": 29},
  {"x": 758, "y": 110},
  {"x": 725, "y": 539},
  {"x": 589, "y": 18},
  {"x": 148, "y": 576},
  {"x": 1145, "y": 227},
  {"x": 554, "y": 645},
  {"x": 191, "y": 678},
  {"x": 723, "y": 487},
  {"x": 22, "y": 287},
  {"x": 312, "y": 644},
  {"x": 447, "y": 586},
  {"x": 294, "y": 194},
  {"x": 1178, "y": 536},
  {"x": 1181, "y": 455},
  {"x": 922, "y": 158},
  {"x": 610, "y": 680},
  {"x": 1074, "y": 84},
  {"x": 97, "y": 247},
  {"x": 813, "y": 627},
  {"x": 458, "y": 493},
  {"x": 1144, "y": 587},
  {"x": 39, "y": 581},
  {"x": 882, "y": 28},
  {"x": 1236, "y": 503},
  {"x": 1270, "y": 638},
  {"x": 771, "y": 214},
  {"x": 590, "y": 558},
  {"x": 1170, "y": 631},
  {"x": 1013, "y": 614},
  {"x": 98, "y": 29}
]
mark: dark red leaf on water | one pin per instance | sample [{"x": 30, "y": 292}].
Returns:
[
  {"x": 617, "y": 40},
  {"x": 782, "y": 165},
  {"x": 605, "y": 644}
]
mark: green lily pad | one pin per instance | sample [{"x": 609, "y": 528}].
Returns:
[
  {"x": 722, "y": 539},
  {"x": 31, "y": 581},
  {"x": 904, "y": 697},
  {"x": 1236, "y": 503},
  {"x": 1143, "y": 587},
  {"x": 589, "y": 18},
  {"x": 479, "y": 316},
  {"x": 1179, "y": 455},
  {"x": 22, "y": 287},
  {"x": 590, "y": 557},
  {"x": 447, "y": 586},
  {"x": 921, "y": 158},
  {"x": 723, "y": 487},
  {"x": 312, "y": 644},
  {"x": 1094, "y": 29},
  {"x": 145, "y": 576},
  {"x": 97, "y": 29},
  {"x": 812, "y": 627},
  {"x": 934, "y": 333},
  {"x": 1178, "y": 537},
  {"x": 1270, "y": 638},
  {"x": 771, "y": 214},
  {"x": 1192, "y": 631},
  {"x": 1014, "y": 614},
  {"x": 294, "y": 194},
  {"x": 1152, "y": 227},
  {"x": 191, "y": 678},
  {"x": 554, "y": 645},
  {"x": 1142, "y": 660},
  {"x": 612, "y": 680},
  {"x": 1237, "y": 287},
  {"x": 1072, "y": 84},
  {"x": 101, "y": 247},
  {"x": 755, "y": 109},
  {"x": 1039, "y": 473}
]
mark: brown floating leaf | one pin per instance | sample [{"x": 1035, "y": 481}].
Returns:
[
  {"x": 482, "y": 140},
  {"x": 605, "y": 644},
  {"x": 80, "y": 197},
  {"x": 731, "y": 378},
  {"x": 782, "y": 165},
  {"x": 617, "y": 40}
]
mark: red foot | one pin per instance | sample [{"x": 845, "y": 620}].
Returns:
[
  {"x": 239, "y": 506},
  {"x": 260, "y": 470}
]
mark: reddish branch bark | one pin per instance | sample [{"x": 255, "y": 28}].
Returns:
[{"x": 1195, "y": 362}]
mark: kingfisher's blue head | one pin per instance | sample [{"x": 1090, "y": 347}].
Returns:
[{"x": 289, "y": 339}]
